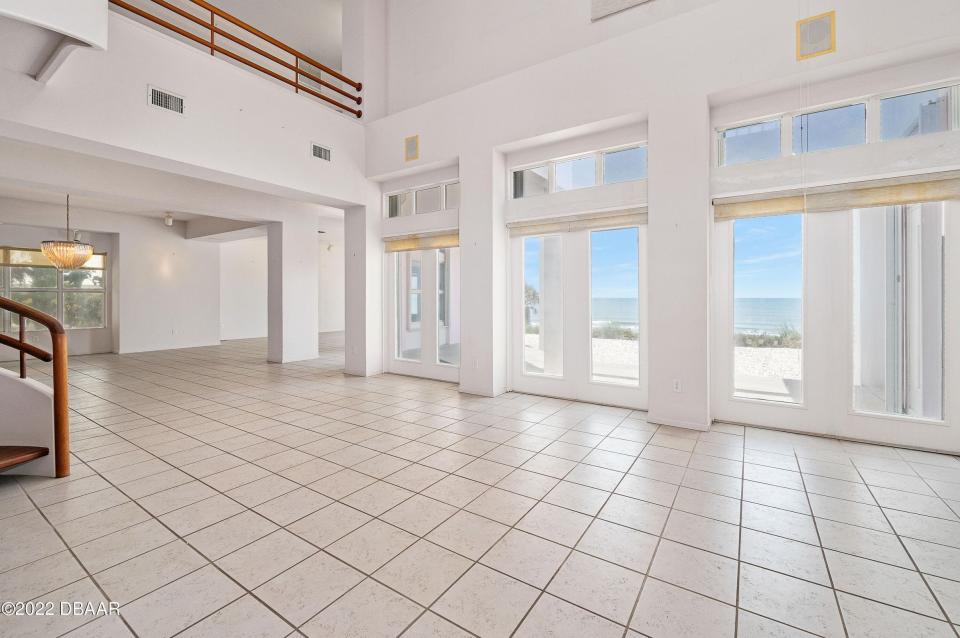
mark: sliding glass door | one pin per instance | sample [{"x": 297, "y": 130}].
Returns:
[
  {"x": 424, "y": 299},
  {"x": 578, "y": 315}
]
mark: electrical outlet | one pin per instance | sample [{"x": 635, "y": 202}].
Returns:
[{"x": 676, "y": 385}]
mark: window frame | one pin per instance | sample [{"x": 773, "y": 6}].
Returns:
[{"x": 7, "y": 323}]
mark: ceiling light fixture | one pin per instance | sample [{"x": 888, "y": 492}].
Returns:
[
  {"x": 168, "y": 220},
  {"x": 68, "y": 253}
]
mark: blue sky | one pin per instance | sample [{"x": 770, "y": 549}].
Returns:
[
  {"x": 614, "y": 263},
  {"x": 768, "y": 257}
]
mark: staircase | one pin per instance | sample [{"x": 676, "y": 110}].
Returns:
[
  {"x": 34, "y": 420},
  {"x": 14, "y": 455}
]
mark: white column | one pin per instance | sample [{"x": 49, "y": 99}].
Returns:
[
  {"x": 364, "y": 54},
  {"x": 679, "y": 259},
  {"x": 292, "y": 291},
  {"x": 364, "y": 287},
  {"x": 483, "y": 276}
]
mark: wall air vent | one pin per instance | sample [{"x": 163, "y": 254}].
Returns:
[
  {"x": 164, "y": 100},
  {"x": 320, "y": 152}
]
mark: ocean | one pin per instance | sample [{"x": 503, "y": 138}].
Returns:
[
  {"x": 756, "y": 315},
  {"x": 766, "y": 315}
]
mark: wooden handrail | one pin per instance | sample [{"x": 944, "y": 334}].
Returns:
[
  {"x": 61, "y": 412},
  {"x": 212, "y": 47}
]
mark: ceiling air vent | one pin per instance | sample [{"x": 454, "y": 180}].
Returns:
[
  {"x": 164, "y": 100},
  {"x": 320, "y": 152}
]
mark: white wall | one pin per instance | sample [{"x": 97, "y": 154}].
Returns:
[
  {"x": 166, "y": 288},
  {"x": 437, "y": 47},
  {"x": 332, "y": 281},
  {"x": 243, "y": 284},
  {"x": 243, "y": 289}
]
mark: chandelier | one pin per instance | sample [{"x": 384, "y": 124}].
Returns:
[{"x": 69, "y": 253}]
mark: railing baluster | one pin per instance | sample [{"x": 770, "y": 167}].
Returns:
[
  {"x": 211, "y": 33},
  {"x": 23, "y": 355},
  {"x": 296, "y": 88}
]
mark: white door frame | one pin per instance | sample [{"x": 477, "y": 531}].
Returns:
[{"x": 576, "y": 381}]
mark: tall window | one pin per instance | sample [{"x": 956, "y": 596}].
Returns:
[
  {"x": 448, "y": 306},
  {"x": 75, "y": 297},
  {"x": 831, "y": 128},
  {"x": 768, "y": 308},
  {"x": 614, "y": 305},
  {"x": 898, "y": 310},
  {"x": 409, "y": 304},
  {"x": 543, "y": 305}
]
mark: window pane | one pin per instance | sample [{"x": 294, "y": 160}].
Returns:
[
  {"x": 624, "y": 166},
  {"x": 28, "y": 258},
  {"x": 768, "y": 307},
  {"x": 750, "y": 143},
  {"x": 542, "y": 305},
  {"x": 919, "y": 113},
  {"x": 33, "y": 277},
  {"x": 576, "y": 173},
  {"x": 428, "y": 200},
  {"x": 83, "y": 310},
  {"x": 833, "y": 128},
  {"x": 400, "y": 205},
  {"x": 42, "y": 301},
  {"x": 898, "y": 310},
  {"x": 83, "y": 279},
  {"x": 409, "y": 305},
  {"x": 448, "y": 306},
  {"x": 530, "y": 182},
  {"x": 615, "y": 305},
  {"x": 452, "y": 196}
]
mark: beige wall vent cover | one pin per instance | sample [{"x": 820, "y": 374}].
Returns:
[
  {"x": 817, "y": 35},
  {"x": 411, "y": 148}
]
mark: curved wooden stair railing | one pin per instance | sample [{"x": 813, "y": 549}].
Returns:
[{"x": 13, "y": 455}]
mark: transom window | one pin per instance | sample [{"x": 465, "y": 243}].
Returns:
[
  {"x": 902, "y": 115},
  {"x": 425, "y": 199},
  {"x": 610, "y": 166},
  {"x": 77, "y": 298}
]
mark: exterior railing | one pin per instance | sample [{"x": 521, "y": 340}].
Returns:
[
  {"x": 299, "y": 63},
  {"x": 61, "y": 413}
]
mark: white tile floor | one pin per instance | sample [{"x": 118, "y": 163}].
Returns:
[{"x": 213, "y": 494}]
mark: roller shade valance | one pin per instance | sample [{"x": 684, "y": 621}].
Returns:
[
  {"x": 570, "y": 223},
  {"x": 421, "y": 242},
  {"x": 931, "y": 187}
]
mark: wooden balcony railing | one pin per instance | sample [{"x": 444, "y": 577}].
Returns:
[
  {"x": 61, "y": 414},
  {"x": 299, "y": 64}
]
